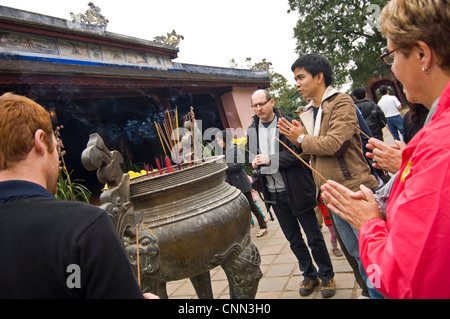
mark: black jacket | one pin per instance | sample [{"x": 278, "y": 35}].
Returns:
[
  {"x": 297, "y": 177},
  {"x": 43, "y": 238},
  {"x": 373, "y": 116},
  {"x": 236, "y": 175}
]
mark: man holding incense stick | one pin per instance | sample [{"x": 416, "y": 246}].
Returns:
[
  {"x": 287, "y": 184},
  {"x": 330, "y": 136},
  {"x": 50, "y": 249}
]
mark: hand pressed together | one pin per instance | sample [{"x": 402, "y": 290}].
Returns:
[
  {"x": 354, "y": 207},
  {"x": 291, "y": 130}
]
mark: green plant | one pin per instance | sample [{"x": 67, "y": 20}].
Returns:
[
  {"x": 68, "y": 189},
  {"x": 71, "y": 189}
]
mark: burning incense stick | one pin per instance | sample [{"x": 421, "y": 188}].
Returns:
[
  {"x": 279, "y": 110},
  {"x": 178, "y": 130},
  {"x": 159, "y": 166},
  {"x": 301, "y": 159},
  {"x": 166, "y": 140},
  {"x": 170, "y": 121},
  {"x": 157, "y": 129},
  {"x": 137, "y": 255},
  {"x": 147, "y": 168}
]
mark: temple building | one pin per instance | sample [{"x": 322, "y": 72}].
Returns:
[{"x": 95, "y": 81}]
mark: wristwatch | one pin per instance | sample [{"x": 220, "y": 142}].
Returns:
[{"x": 300, "y": 139}]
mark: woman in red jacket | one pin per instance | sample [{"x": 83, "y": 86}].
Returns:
[{"x": 403, "y": 244}]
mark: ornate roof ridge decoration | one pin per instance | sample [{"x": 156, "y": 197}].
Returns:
[
  {"x": 91, "y": 17},
  {"x": 31, "y": 22},
  {"x": 172, "y": 39}
]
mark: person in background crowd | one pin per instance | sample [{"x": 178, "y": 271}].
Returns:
[
  {"x": 391, "y": 108},
  {"x": 236, "y": 176},
  {"x": 255, "y": 200},
  {"x": 299, "y": 110},
  {"x": 371, "y": 112},
  {"x": 375, "y": 119},
  {"x": 413, "y": 121}
]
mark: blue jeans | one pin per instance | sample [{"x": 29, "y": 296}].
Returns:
[
  {"x": 349, "y": 236},
  {"x": 395, "y": 124},
  {"x": 289, "y": 223}
]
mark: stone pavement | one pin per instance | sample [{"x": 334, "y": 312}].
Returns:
[{"x": 281, "y": 273}]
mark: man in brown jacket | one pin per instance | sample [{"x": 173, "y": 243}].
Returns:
[{"x": 330, "y": 138}]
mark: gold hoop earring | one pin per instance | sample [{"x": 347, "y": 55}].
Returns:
[{"x": 427, "y": 71}]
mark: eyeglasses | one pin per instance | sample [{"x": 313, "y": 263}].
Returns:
[
  {"x": 388, "y": 58},
  {"x": 259, "y": 104}
]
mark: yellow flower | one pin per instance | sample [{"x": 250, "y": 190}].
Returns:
[
  {"x": 241, "y": 142},
  {"x": 133, "y": 174}
]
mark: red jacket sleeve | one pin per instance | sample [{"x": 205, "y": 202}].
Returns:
[{"x": 408, "y": 255}]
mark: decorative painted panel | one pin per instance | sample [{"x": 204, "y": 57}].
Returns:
[{"x": 24, "y": 44}]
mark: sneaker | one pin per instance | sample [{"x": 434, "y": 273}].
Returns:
[
  {"x": 307, "y": 286},
  {"x": 261, "y": 232},
  {"x": 337, "y": 252},
  {"x": 328, "y": 288}
]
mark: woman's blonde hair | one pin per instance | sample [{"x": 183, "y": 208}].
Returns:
[{"x": 408, "y": 21}]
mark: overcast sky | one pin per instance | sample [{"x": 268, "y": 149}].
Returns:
[{"x": 214, "y": 31}]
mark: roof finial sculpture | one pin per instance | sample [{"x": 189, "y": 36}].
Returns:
[
  {"x": 172, "y": 39},
  {"x": 91, "y": 17}
]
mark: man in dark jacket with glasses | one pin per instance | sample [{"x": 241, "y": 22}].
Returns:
[{"x": 288, "y": 185}]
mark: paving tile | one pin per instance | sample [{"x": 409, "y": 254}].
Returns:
[
  {"x": 293, "y": 284},
  {"x": 270, "y": 249},
  {"x": 278, "y": 270},
  {"x": 269, "y": 295},
  {"x": 286, "y": 258},
  {"x": 219, "y": 287},
  {"x": 268, "y": 259},
  {"x": 219, "y": 274},
  {"x": 345, "y": 280},
  {"x": 272, "y": 284}
]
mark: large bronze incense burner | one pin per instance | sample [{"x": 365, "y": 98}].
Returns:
[{"x": 188, "y": 222}]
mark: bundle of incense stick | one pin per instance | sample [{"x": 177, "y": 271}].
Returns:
[
  {"x": 165, "y": 135},
  {"x": 158, "y": 128},
  {"x": 168, "y": 165},
  {"x": 301, "y": 159}
]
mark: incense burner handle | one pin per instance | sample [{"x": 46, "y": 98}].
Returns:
[{"x": 97, "y": 156}]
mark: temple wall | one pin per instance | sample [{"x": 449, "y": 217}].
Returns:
[{"x": 237, "y": 108}]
